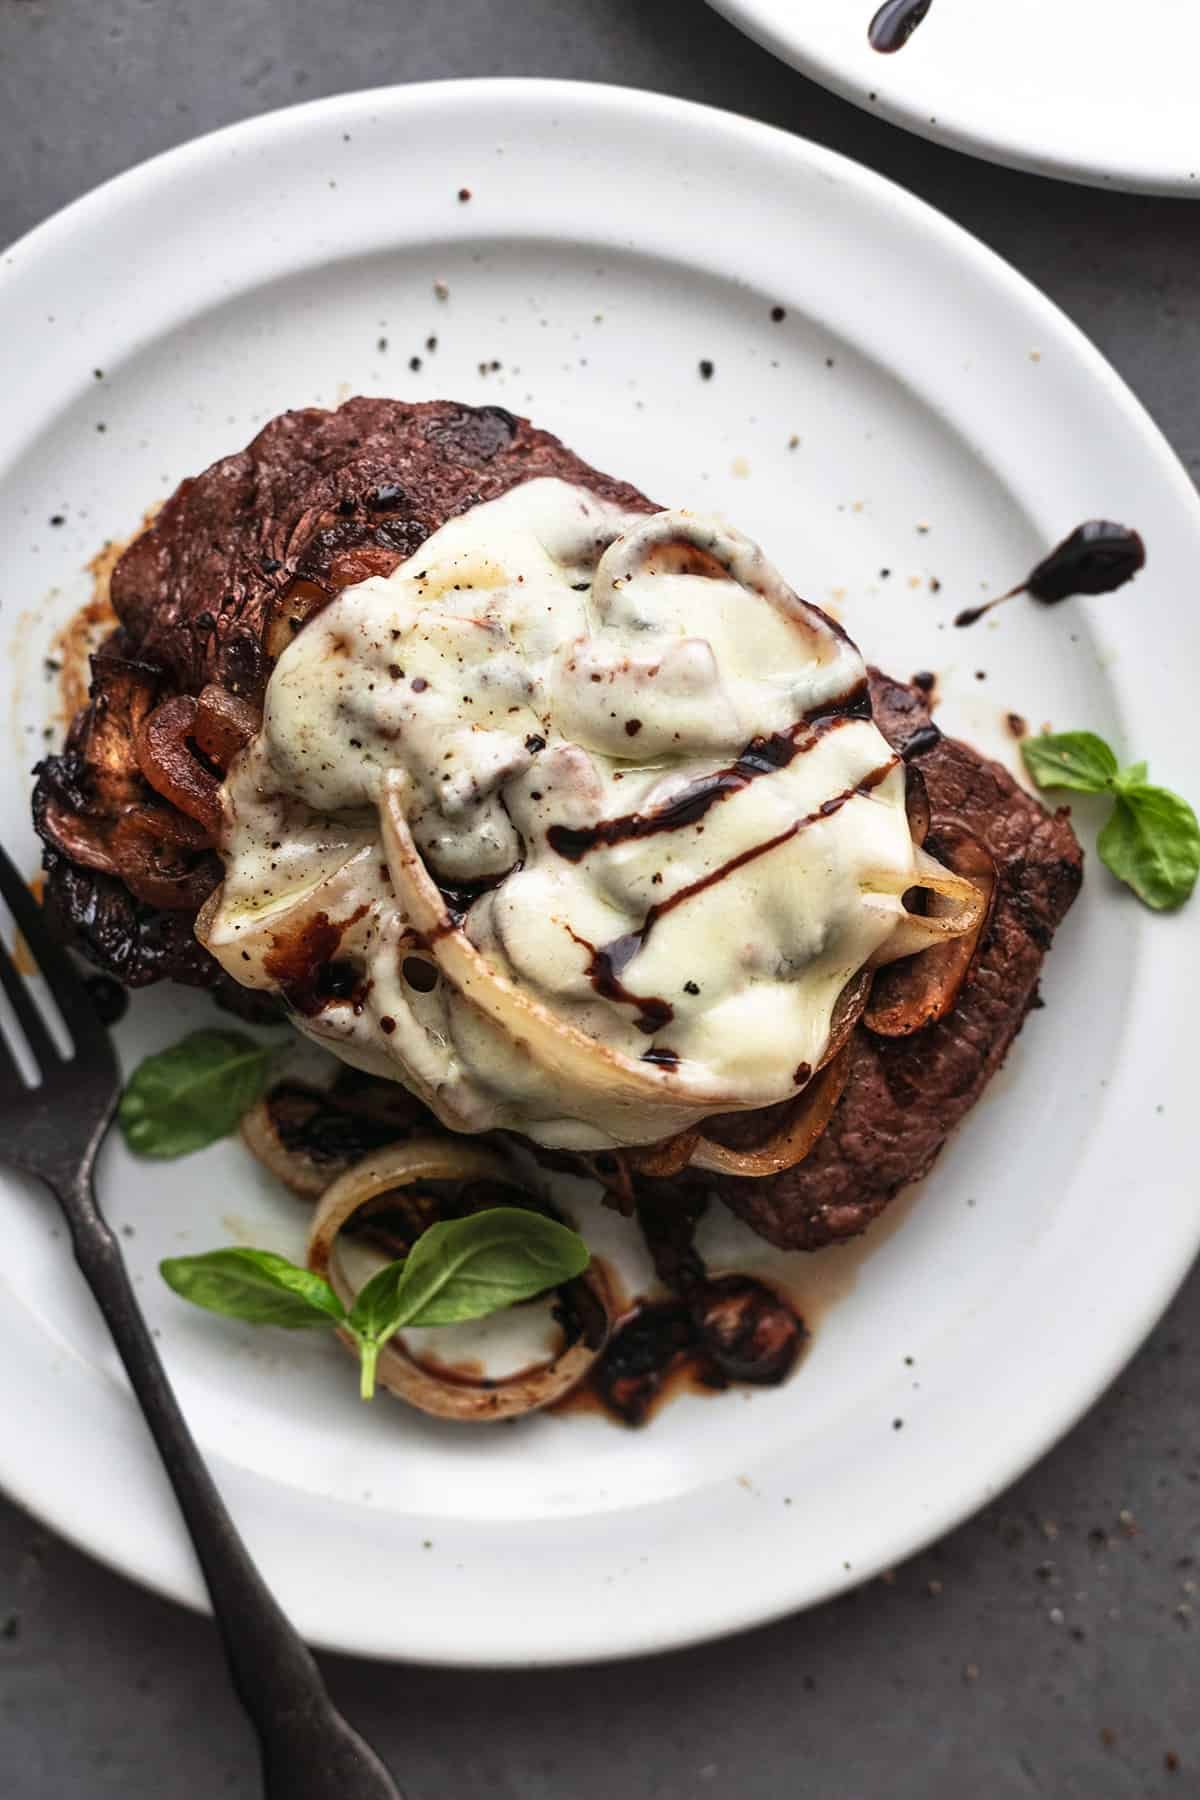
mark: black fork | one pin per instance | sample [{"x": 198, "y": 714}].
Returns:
[{"x": 53, "y": 1132}]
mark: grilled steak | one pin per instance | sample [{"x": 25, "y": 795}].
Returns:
[
  {"x": 242, "y": 554},
  {"x": 236, "y": 560}
]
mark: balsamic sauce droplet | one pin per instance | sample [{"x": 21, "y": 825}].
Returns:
[
  {"x": 1097, "y": 558},
  {"x": 895, "y": 23}
]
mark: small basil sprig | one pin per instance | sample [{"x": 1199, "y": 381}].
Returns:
[
  {"x": 458, "y": 1269},
  {"x": 1151, "y": 840},
  {"x": 194, "y": 1093}
]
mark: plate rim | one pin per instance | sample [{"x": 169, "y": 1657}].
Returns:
[
  {"x": 731, "y": 1616},
  {"x": 754, "y": 18}
]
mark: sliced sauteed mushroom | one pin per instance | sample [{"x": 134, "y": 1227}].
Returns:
[
  {"x": 584, "y": 1311},
  {"x": 308, "y": 1136},
  {"x": 223, "y": 724},
  {"x": 168, "y": 761},
  {"x": 907, "y": 995}
]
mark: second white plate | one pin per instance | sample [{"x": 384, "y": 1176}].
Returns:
[{"x": 1093, "y": 91}]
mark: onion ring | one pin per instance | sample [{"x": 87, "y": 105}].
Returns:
[
  {"x": 956, "y": 911},
  {"x": 444, "y": 1159},
  {"x": 795, "y": 1138},
  {"x": 301, "y": 1173}
]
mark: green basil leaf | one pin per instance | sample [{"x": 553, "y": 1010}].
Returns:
[
  {"x": 1152, "y": 841},
  {"x": 1070, "y": 759},
  {"x": 1134, "y": 776},
  {"x": 193, "y": 1093},
  {"x": 467, "y": 1268},
  {"x": 255, "y": 1285},
  {"x": 376, "y": 1304}
]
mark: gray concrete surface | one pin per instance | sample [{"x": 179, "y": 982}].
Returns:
[{"x": 1048, "y": 1647}]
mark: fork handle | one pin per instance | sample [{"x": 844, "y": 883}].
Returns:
[{"x": 309, "y": 1752}]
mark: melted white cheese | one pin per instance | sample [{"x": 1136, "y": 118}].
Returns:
[{"x": 507, "y": 686}]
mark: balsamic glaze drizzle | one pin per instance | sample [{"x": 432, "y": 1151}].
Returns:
[
  {"x": 895, "y": 23},
  {"x": 609, "y": 961},
  {"x": 762, "y": 756}
]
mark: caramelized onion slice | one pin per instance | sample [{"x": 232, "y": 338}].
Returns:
[
  {"x": 297, "y": 1170},
  {"x": 955, "y": 908},
  {"x": 810, "y": 1114},
  {"x": 578, "y": 1060},
  {"x": 662, "y": 1159},
  {"x": 447, "y": 1159},
  {"x": 223, "y": 724},
  {"x": 169, "y": 764},
  {"x": 362, "y": 562},
  {"x": 908, "y": 995},
  {"x": 848, "y": 1009}
]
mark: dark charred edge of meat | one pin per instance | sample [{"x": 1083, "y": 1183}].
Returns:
[{"x": 137, "y": 944}]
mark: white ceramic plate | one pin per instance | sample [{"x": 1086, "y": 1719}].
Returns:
[
  {"x": 1090, "y": 90},
  {"x": 614, "y": 240}
]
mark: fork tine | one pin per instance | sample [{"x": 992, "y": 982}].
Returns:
[
  {"x": 45, "y": 1055},
  {"x": 14, "y": 1089},
  {"x": 53, "y": 963}
]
